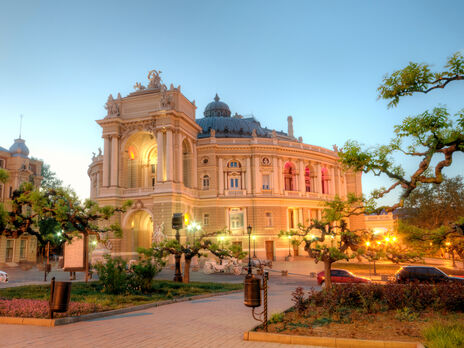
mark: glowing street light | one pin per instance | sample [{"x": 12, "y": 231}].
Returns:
[
  {"x": 368, "y": 243},
  {"x": 394, "y": 239}
]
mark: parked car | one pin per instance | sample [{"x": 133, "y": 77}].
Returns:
[
  {"x": 424, "y": 274},
  {"x": 3, "y": 277},
  {"x": 341, "y": 276}
]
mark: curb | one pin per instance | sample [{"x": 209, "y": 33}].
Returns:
[
  {"x": 326, "y": 341},
  {"x": 98, "y": 315}
]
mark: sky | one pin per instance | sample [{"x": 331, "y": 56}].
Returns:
[{"x": 319, "y": 61}]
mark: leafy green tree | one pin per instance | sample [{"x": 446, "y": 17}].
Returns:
[
  {"x": 198, "y": 247},
  {"x": 434, "y": 218},
  {"x": 329, "y": 239},
  {"x": 433, "y": 137},
  {"x": 49, "y": 178},
  {"x": 4, "y": 175},
  {"x": 40, "y": 212},
  {"x": 431, "y": 206}
]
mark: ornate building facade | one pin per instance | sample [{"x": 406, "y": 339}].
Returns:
[
  {"x": 20, "y": 168},
  {"x": 221, "y": 171}
]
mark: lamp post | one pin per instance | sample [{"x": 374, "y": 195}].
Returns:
[
  {"x": 254, "y": 246},
  {"x": 289, "y": 254},
  {"x": 249, "y": 229},
  {"x": 177, "y": 224}
]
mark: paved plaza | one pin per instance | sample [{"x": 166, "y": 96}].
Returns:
[{"x": 212, "y": 322}]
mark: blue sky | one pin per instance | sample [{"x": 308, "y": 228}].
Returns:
[{"x": 319, "y": 61}]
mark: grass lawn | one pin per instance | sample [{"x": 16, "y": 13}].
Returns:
[{"x": 92, "y": 293}]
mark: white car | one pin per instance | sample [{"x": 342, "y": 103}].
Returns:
[{"x": 3, "y": 277}]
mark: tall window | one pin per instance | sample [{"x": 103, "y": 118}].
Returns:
[
  {"x": 268, "y": 220},
  {"x": 291, "y": 218},
  {"x": 289, "y": 176},
  {"x": 266, "y": 182},
  {"x": 234, "y": 183},
  {"x": 307, "y": 179},
  {"x": 234, "y": 164},
  {"x": 325, "y": 180},
  {"x": 205, "y": 219},
  {"x": 9, "y": 250},
  {"x": 236, "y": 218},
  {"x": 2, "y": 163},
  {"x": 206, "y": 182},
  {"x": 22, "y": 249},
  {"x": 187, "y": 164}
]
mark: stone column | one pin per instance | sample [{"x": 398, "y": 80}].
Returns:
[
  {"x": 279, "y": 176},
  {"x": 301, "y": 182},
  {"x": 339, "y": 183},
  {"x": 248, "y": 175},
  {"x": 169, "y": 152},
  {"x": 180, "y": 159},
  {"x": 220, "y": 177},
  {"x": 332, "y": 181},
  {"x": 318, "y": 178},
  {"x": 275, "y": 176},
  {"x": 258, "y": 181},
  {"x": 114, "y": 160},
  {"x": 160, "y": 169},
  {"x": 194, "y": 165},
  {"x": 106, "y": 162}
]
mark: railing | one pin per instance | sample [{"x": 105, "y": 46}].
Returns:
[{"x": 235, "y": 193}]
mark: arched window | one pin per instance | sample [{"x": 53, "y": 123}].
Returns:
[
  {"x": 186, "y": 164},
  {"x": 233, "y": 164},
  {"x": 325, "y": 180},
  {"x": 206, "y": 182},
  {"x": 289, "y": 176},
  {"x": 307, "y": 175}
]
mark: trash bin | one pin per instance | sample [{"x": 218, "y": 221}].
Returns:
[{"x": 60, "y": 294}]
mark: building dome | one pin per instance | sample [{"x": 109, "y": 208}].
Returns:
[
  {"x": 230, "y": 127},
  {"x": 19, "y": 148},
  {"x": 217, "y": 109}
]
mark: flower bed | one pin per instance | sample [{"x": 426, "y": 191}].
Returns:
[
  {"x": 387, "y": 312},
  {"x": 27, "y": 308}
]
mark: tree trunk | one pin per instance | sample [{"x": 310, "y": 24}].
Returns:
[
  {"x": 327, "y": 275},
  {"x": 187, "y": 270}
]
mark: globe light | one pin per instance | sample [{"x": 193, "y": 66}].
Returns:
[{"x": 368, "y": 243}]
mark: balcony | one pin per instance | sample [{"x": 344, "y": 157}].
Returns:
[{"x": 235, "y": 193}]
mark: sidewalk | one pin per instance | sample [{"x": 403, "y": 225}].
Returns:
[{"x": 212, "y": 322}]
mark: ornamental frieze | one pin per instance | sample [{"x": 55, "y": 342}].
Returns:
[{"x": 145, "y": 125}]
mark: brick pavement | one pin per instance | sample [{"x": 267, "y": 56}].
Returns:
[{"x": 212, "y": 322}]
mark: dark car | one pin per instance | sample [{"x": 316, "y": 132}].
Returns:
[
  {"x": 341, "y": 276},
  {"x": 424, "y": 274}
]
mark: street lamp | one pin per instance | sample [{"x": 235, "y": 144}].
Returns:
[
  {"x": 254, "y": 246},
  {"x": 249, "y": 229},
  {"x": 221, "y": 238}
]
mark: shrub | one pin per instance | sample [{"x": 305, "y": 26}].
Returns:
[
  {"x": 444, "y": 335},
  {"x": 376, "y": 297},
  {"x": 299, "y": 300},
  {"x": 113, "y": 275},
  {"x": 276, "y": 318},
  {"x": 142, "y": 274}
]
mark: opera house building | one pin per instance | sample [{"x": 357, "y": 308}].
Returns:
[{"x": 221, "y": 170}]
